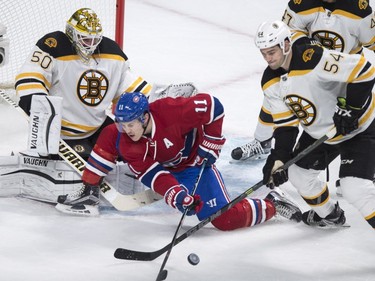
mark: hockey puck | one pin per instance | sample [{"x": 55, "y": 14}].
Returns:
[{"x": 193, "y": 259}]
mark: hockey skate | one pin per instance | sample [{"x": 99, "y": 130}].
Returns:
[
  {"x": 284, "y": 207},
  {"x": 335, "y": 219},
  {"x": 253, "y": 150},
  {"x": 84, "y": 201}
]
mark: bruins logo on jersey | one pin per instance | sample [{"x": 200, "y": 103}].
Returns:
[
  {"x": 92, "y": 87},
  {"x": 307, "y": 55},
  {"x": 329, "y": 39},
  {"x": 302, "y": 108},
  {"x": 297, "y": 2},
  {"x": 51, "y": 42},
  {"x": 363, "y": 4}
]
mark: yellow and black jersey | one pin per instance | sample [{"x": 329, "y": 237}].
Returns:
[
  {"x": 87, "y": 88},
  {"x": 48, "y": 43},
  {"x": 345, "y": 25},
  {"x": 308, "y": 92}
]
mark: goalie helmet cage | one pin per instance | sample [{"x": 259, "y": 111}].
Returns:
[{"x": 27, "y": 21}]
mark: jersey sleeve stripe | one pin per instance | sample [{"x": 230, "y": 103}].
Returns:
[
  {"x": 270, "y": 83},
  {"x": 356, "y": 69}
]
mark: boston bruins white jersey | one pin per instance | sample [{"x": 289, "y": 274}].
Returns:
[
  {"x": 344, "y": 26},
  {"x": 307, "y": 94},
  {"x": 88, "y": 89}
]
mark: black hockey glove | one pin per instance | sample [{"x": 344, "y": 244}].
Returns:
[
  {"x": 346, "y": 117},
  {"x": 273, "y": 174}
]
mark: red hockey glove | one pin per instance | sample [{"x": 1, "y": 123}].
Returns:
[
  {"x": 346, "y": 117},
  {"x": 210, "y": 149},
  {"x": 179, "y": 199}
]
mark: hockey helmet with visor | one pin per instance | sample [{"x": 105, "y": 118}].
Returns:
[{"x": 130, "y": 107}]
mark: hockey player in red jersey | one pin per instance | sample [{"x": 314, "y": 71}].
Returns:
[{"x": 164, "y": 144}]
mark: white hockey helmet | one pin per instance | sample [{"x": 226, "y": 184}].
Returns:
[
  {"x": 272, "y": 33},
  {"x": 85, "y": 31}
]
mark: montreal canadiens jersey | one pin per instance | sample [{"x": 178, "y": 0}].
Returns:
[
  {"x": 307, "y": 94},
  {"x": 88, "y": 89},
  {"x": 344, "y": 26},
  {"x": 178, "y": 126}
]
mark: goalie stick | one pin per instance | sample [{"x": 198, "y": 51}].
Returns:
[
  {"x": 126, "y": 254},
  {"x": 120, "y": 201}
]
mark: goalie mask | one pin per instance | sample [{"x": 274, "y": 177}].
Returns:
[
  {"x": 84, "y": 31},
  {"x": 131, "y": 106},
  {"x": 270, "y": 34}
]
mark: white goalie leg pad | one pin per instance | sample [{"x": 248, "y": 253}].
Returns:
[
  {"x": 36, "y": 178},
  {"x": 360, "y": 193},
  {"x": 308, "y": 185},
  {"x": 44, "y": 125},
  {"x": 173, "y": 90}
]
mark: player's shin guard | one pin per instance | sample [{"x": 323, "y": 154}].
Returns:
[
  {"x": 313, "y": 191},
  {"x": 247, "y": 212},
  {"x": 361, "y": 194}
]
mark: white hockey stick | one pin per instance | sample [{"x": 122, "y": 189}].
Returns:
[{"x": 120, "y": 201}]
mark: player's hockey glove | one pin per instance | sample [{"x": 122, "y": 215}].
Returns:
[
  {"x": 346, "y": 117},
  {"x": 210, "y": 149},
  {"x": 178, "y": 198},
  {"x": 273, "y": 174}
]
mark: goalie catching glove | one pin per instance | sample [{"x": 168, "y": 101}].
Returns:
[
  {"x": 346, "y": 117},
  {"x": 173, "y": 91},
  {"x": 273, "y": 173},
  {"x": 178, "y": 198},
  {"x": 210, "y": 149}
]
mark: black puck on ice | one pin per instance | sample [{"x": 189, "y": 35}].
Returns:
[{"x": 193, "y": 259}]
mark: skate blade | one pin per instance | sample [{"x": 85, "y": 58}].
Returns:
[
  {"x": 250, "y": 160},
  {"x": 80, "y": 210}
]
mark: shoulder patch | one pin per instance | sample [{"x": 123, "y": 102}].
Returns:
[
  {"x": 57, "y": 44},
  {"x": 306, "y": 57},
  {"x": 359, "y": 8},
  {"x": 307, "y": 54},
  {"x": 303, "y": 5},
  {"x": 51, "y": 42}
]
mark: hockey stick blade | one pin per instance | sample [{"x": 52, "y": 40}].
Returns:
[{"x": 127, "y": 254}]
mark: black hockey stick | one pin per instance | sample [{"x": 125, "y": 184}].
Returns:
[
  {"x": 162, "y": 275},
  {"x": 127, "y": 254}
]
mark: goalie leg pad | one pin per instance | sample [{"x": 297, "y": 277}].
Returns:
[
  {"x": 38, "y": 178},
  {"x": 45, "y": 125}
]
